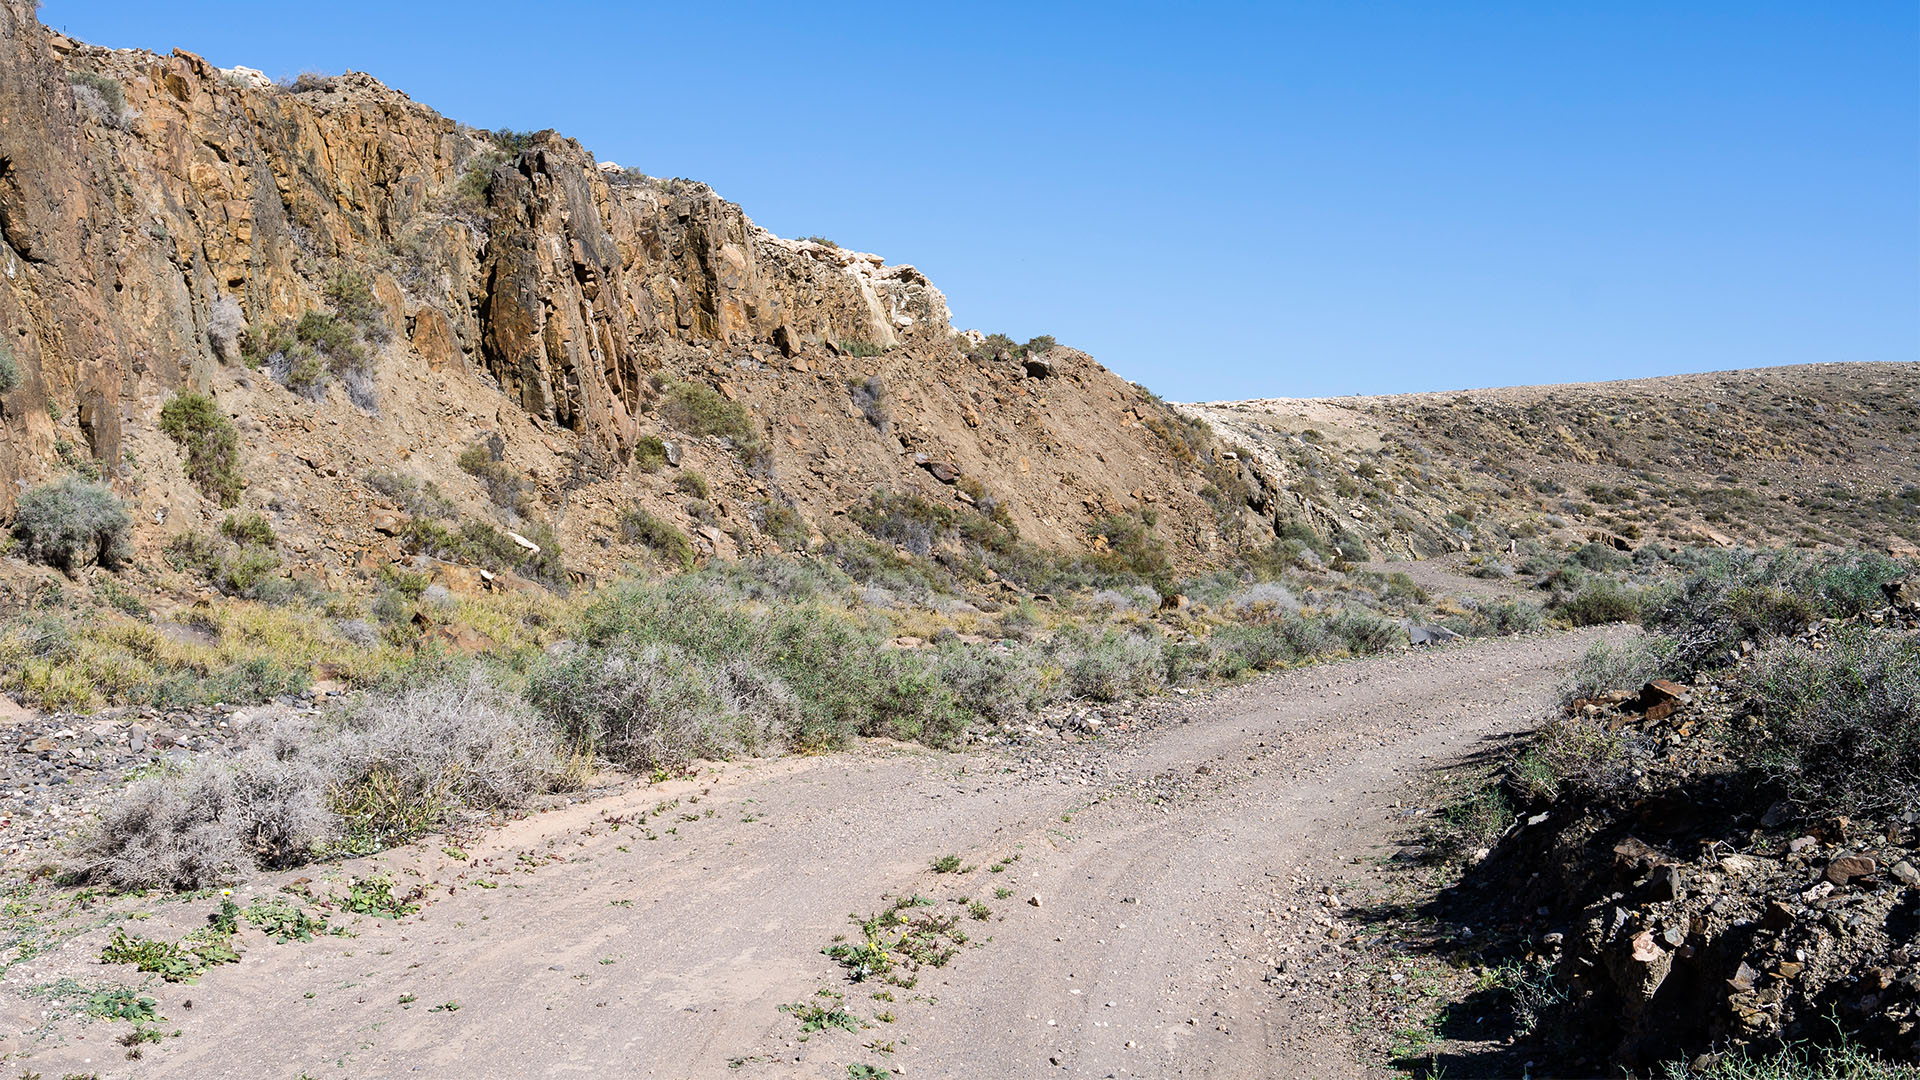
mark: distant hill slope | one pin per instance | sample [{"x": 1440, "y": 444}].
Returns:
[{"x": 1815, "y": 454}]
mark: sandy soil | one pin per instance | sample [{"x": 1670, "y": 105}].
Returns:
[{"x": 1178, "y": 867}]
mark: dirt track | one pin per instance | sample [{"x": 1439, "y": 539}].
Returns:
[{"x": 1193, "y": 863}]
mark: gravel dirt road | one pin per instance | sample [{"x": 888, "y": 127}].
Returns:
[{"x": 1180, "y": 867}]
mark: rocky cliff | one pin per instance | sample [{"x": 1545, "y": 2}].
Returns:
[{"x": 168, "y": 224}]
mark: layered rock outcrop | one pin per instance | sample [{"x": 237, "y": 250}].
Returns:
[{"x": 521, "y": 291}]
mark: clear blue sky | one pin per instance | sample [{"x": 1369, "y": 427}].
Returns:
[{"x": 1236, "y": 200}]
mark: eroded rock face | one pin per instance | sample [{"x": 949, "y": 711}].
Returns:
[
  {"x": 588, "y": 273},
  {"x": 144, "y": 197}
]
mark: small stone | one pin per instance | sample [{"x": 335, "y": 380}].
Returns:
[
  {"x": 1034, "y": 900},
  {"x": 1847, "y": 867},
  {"x": 1744, "y": 978},
  {"x": 1905, "y": 874},
  {"x": 1801, "y": 845}
]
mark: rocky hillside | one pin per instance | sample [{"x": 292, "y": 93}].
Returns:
[
  {"x": 365, "y": 286},
  {"x": 1823, "y": 454},
  {"x": 430, "y": 339}
]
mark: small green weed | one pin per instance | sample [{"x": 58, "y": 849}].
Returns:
[{"x": 374, "y": 896}]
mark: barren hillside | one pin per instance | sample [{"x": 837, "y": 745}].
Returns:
[{"x": 1817, "y": 454}]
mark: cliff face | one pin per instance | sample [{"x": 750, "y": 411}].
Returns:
[{"x": 160, "y": 216}]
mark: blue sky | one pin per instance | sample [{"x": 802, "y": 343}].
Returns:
[{"x": 1239, "y": 200}]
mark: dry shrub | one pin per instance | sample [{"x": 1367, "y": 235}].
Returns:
[
  {"x": 655, "y": 706},
  {"x": 389, "y": 768}
]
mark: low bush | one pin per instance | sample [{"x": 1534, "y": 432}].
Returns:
[
  {"x": 1508, "y": 616},
  {"x": 306, "y": 355},
  {"x": 103, "y": 96},
  {"x": 249, "y": 529},
  {"x": 206, "y": 436},
  {"x": 504, "y": 484},
  {"x": 1607, "y": 667},
  {"x": 1843, "y": 723},
  {"x": 698, "y": 409},
  {"x": 1111, "y": 667},
  {"x": 653, "y": 706},
  {"x": 870, "y": 397},
  {"x": 782, "y": 524},
  {"x": 1001, "y": 684},
  {"x": 246, "y": 570},
  {"x": 1751, "y": 595},
  {"x": 1567, "y": 752},
  {"x": 403, "y": 762},
  {"x": 418, "y": 498},
  {"x": 1796, "y": 1061},
  {"x": 638, "y": 525},
  {"x": 1599, "y": 602},
  {"x": 692, "y": 484},
  {"x": 72, "y": 523},
  {"x": 382, "y": 771},
  {"x": 9, "y": 371},
  {"x": 1133, "y": 548},
  {"x": 206, "y": 824},
  {"x": 649, "y": 454}
]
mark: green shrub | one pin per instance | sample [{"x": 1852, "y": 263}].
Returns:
[
  {"x": 1000, "y": 684},
  {"x": 72, "y": 523},
  {"x": 350, "y": 295},
  {"x": 698, "y": 409},
  {"x": 1112, "y": 667},
  {"x": 1134, "y": 549},
  {"x": 248, "y": 570},
  {"x": 1796, "y": 1061},
  {"x": 514, "y": 142},
  {"x": 693, "y": 484},
  {"x": 1843, "y": 722},
  {"x": 1600, "y": 602},
  {"x": 1362, "y": 633},
  {"x": 306, "y": 355},
  {"x": 249, "y": 529},
  {"x": 1238, "y": 648},
  {"x": 650, "y": 454},
  {"x": 1750, "y": 595},
  {"x": 503, "y": 483},
  {"x": 9, "y": 371},
  {"x": 1569, "y": 752},
  {"x": 1624, "y": 668},
  {"x": 638, "y": 525},
  {"x": 194, "y": 422},
  {"x": 649, "y": 706},
  {"x": 782, "y": 524},
  {"x": 1507, "y": 615},
  {"x": 194, "y": 551}
]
